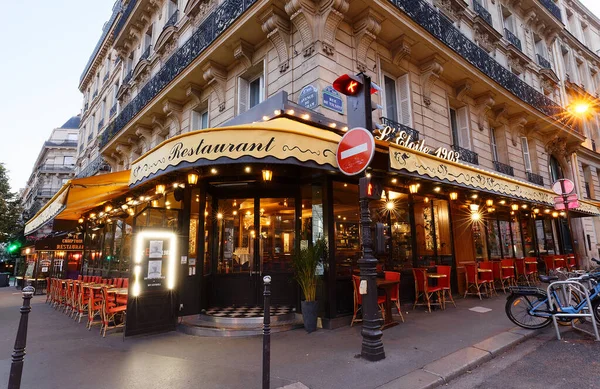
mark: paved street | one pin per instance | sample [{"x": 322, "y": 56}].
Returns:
[{"x": 62, "y": 354}]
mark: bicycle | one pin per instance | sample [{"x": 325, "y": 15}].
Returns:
[{"x": 529, "y": 307}]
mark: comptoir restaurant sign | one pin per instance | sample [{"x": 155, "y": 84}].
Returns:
[{"x": 230, "y": 144}]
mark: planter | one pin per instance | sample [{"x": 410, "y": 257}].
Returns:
[{"x": 309, "y": 315}]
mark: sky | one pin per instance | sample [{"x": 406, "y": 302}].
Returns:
[{"x": 46, "y": 45}]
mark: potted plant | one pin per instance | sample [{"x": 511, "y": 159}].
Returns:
[{"x": 305, "y": 265}]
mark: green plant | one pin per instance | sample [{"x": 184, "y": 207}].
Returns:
[{"x": 305, "y": 265}]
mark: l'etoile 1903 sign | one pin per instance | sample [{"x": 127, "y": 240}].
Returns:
[{"x": 403, "y": 138}]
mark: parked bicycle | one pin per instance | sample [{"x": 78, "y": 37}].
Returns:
[{"x": 528, "y": 306}]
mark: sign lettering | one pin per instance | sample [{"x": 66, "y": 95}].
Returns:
[{"x": 403, "y": 138}]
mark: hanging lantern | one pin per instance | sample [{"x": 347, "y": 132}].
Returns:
[
  {"x": 453, "y": 195},
  {"x": 108, "y": 207},
  {"x": 514, "y": 207},
  {"x": 489, "y": 202},
  {"x": 81, "y": 220},
  {"x": 192, "y": 177},
  {"x": 267, "y": 175},
  {"x": 160, "y": 189},
  {"x": 413, "y": 188}
]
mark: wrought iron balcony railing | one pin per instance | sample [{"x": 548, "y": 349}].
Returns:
[
  {"x": 146, "y": 53},
  {"x": 127, "y": 77},
  {"x": 100, "y": 124},
  {"x": 414, "y": 134},
  {"x": 47, "y": 192},
  {"x": 172, "y": 20},
  {"x": 482, "y": 12},
  {"x": 95, "y": 166},
  {"x": 535, "y": 178},
  {"x": 588, "y": 193},
  {"x": 106, "y": 75},
  {"x": 429, "y": 18},
  {"x": 553, "y": 8},
  {"x": 212, "y": 27},
  {"x": 113, "y": 110},
  {"x": 504, "y": 168},
  {"x": 52, "y": 167},
  {"x": 543, "y": 62},
  {"x": 512, "y": 38},
  {"x": 467, "y": 155}
]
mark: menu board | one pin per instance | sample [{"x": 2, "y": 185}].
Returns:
[{"x": 156, "y": 261}]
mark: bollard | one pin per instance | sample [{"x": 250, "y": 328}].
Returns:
[
  {"x": 267, "y": 334},
  {"x": 18, "y": 355}
]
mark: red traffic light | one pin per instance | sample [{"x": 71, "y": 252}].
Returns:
[{"x": 351, "y": 85}]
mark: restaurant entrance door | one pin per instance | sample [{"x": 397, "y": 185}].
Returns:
[{"x": 252, "y": 237}]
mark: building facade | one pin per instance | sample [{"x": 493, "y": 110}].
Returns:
[
  {"x": 54, "y": 166},
  {"x": 494, "y": 88}
]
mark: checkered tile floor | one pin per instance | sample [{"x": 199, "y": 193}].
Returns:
[{"x": 246, "y": 311}]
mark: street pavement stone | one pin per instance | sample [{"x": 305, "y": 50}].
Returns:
[
  {"x": 458, "y": 362},
  {"x": 499, "y": 343}
]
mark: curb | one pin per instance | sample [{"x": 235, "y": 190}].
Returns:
[{"x": 445, "y": 369}]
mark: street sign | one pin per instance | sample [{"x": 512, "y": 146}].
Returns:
[
  {"x": 563, "y": 186},
  {"x": 355, "y": 151},
  {"x": 309, "y": 97},
  {"x": 571, "y": 200}
]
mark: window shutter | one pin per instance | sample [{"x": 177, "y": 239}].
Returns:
[
  {"x": 243, "y": 94},
  {"x": 405, "y": 111},
  {"x": 391, "y": 100},
  {"x": 526, "y": 157},
  {"x": 462, "y": 118}
]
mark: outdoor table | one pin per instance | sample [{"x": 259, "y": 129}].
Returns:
[
  {"x": 387, "y": 286},
  {"x": 435, "y": 277},
  {"x": 484, "y": 270}
]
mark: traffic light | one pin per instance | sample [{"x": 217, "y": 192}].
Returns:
[
  {"x": 13, "y": 247},
  {"x": 358, "y": 90},
  {"x": 370, "y": 188}
]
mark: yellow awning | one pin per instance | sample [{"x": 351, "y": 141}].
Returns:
[{"x": 78, "y": 196}]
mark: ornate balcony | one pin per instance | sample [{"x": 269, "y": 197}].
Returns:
[
  {"x": 212, "y": 27},
  {"x": 95, "y": 166},
  {"x": 512, "y": 38},
  {"x": 504, "y": 168},
  {"x": 429, "y": 18},
  {"x": 414, "y": 134},
  {"x": 543, "y": 62},
  {"x": 552, "y": 8},
  {"x": 482, "y": 12},
  {"x": 146, "y": 53},
  {"x": 466, "y": 155},
  {"x": 113, "y": 110},
  {"x": 172, "y": 20},
  {"x": 535, "y": 178}
]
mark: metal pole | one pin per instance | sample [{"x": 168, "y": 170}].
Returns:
[
  {"x": 18, "y": 355},
  {"x": 372, "y": 346},
  {"x": 266, "y": 376},
  {"x": 566, "y": 203}
]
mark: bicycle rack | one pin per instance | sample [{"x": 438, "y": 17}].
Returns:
[{"x": 565, "y": 290}]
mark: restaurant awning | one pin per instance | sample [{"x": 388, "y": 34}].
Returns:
[
  {"x": 280, "y": 140},
  {"x": 418, "y": 163},
  {"x": 78, "y": 196}
]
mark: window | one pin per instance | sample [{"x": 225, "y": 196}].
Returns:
[
  {"x": 250, "y": 92},
  {"x": 148, "y": 40},
  {"x": 459, "y": 122},
  {"x": 68, "y": 160},
  {"x": 255, "y": 92},
  {"x": 391, "y": 101},
  {"x": 102, "y": 108},
  {"x": 493, "y": 144},
  {"x": 72, "y": 137},
  {"x": 199, "y": 120},
  {"x": 526, "y": 155},
  {"x": 398, "y": 105},
  {"x": 556, "y": 171},
  {"x": 92, "y": 122},
  {"x": 172, "y": 8}
]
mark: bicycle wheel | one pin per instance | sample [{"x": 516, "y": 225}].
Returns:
[
  {"x": 517, "y": 309},
  {"x": 566, "y": 321},
  {"x": 596, "y": 309}
]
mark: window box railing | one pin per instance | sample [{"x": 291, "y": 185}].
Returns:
[
  {"x": 172, "y": 20},
  {"x": 535, "y": 178},
  {"x": 552, "y": 8},
  {"x": 588, "y": 194},
  {"x": 93, "y": 167},
  {"x": 482, "y": 12},
  {"x": 212, "y": 27},
  {"x": 512, "y": 38},
  {"x": 504, "y": 168},
  {"x": 113, "y": 110},
  {"x": 414, "y": 134},
  {"x": 543, "y": 62},
  {"x": 100, "y": 124},
  {"x": 429, "y": 18},
  {"x": 466, "y": 155}
]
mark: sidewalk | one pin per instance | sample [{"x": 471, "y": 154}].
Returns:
[{"x": 420, "y": 353}]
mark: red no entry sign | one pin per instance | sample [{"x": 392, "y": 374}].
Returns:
[{"x": 355, "y": 151}]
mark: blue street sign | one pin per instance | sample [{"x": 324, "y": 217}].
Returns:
[
  {"x": 309, "y": 97},
  {"x": 332, "y": 100}
]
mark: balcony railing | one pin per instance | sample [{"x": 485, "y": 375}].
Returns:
[
  {"x": 414, "y": 134},
  {"x": 212, "y": 27},
  {"x": 113, "y": 110},
  {"x": 512, "y": 38},
  {"x": 429, "y": 18},
  {"x": 588, "y": 193},
  {"x": 467, "y": 155},
  {"x": 552, "y": 8},
  {"x": 543, "y": 62},
  {"x": 172, "y": 20},
  {"x": 47, "y": 192},
  {"x": 482, "y": 12},
  {"x": 504, "y": 168},
  {"x": 127, "y": 77},
  {"x": 535, "y": 178},
  {"x": 146, "y": 53},
  {"x": 63, "y": 143},
  {"x": 106, "y": 75},
  {"x": 100, "y": 124},
  {"x": 95, "y": 166},
  {"x": 53, "y": 167}
]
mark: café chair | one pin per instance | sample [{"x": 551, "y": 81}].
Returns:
[
  {"x": 126, "y": 283},
  {"x": 444, "y": 283},
  {"x": 487, "y": 277},
  {"x": 531, "y": 269},
  {"x": 49, "y": 280},
  {"x": 358, "y": 300},
  {"x": 550, "y": 264},
  {"x": 521, "y": 272},
  {"x": 111, "y": 312},
  {"x": 424, "y": 291},
  {"x": 508, "y": 274},
  {"x": 395, "y": 295},
  {"x": 94, "y": 308},
  {"x": 82, "y": 302},
  {"x": 472, "y": 279}
]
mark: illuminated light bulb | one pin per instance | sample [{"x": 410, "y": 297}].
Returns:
[
  {"x": 219, "y": 216},
  {"x": 92, "y": 215},
  {"x": 175, "y": 185},
  {"x": 474, "y": 196},
  {"x": 344, "y": 218},
  {"x": 394, "y": 180},
  {"x": 437, "y": 189},
  {"x": 345, "y": 185},
  {"x": 213, "y": 171},
  {"x": 413, "y": 188},
  {"x": 524, "y": 206},
  {"x": 426, "y": 199},
  {"x": 306, "y": 116},
  {"x": 554, "y": 214},
  {"x": 248, "y": 213},
  {"x": 536, "y": 210},
  {"x": 277, "y": 112},
  {"x": 101, "y": 214},
  {"x": 290, "y": 111},
  {"x": 546, "y": 211},
  {"x": 234, "y": 213},
  {"x": 502, "y": 202},
  {"x": 333, "y": 125},
  {"x": 247, "y": 169},
  {"x": 81, "y": 220},
  {"x": 512, "y": 212},
  {"x": 489, "y": 202},
  {"x": 205, "y": 213},
  {"x": 475, "y": 216},
  {"x": 339, "y": 216},
  {"x": 124, "y": 207},
  {"x": 108, "y": 207},
  {"x": 390, "y": 205},
  {"x": 265, "y": 118},
  {"x": 490, "y": 210},
  {"x": 160, "y": 189},
  {"x": 562, "y": 213},
  {"x": 345, "y": 128},
  {"x": 368, "y": 175}
]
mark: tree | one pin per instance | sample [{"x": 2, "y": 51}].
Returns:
[{"x": 10, "y": 210}]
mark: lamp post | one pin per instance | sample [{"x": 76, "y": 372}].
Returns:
[{"x": 18, "y": 355}]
